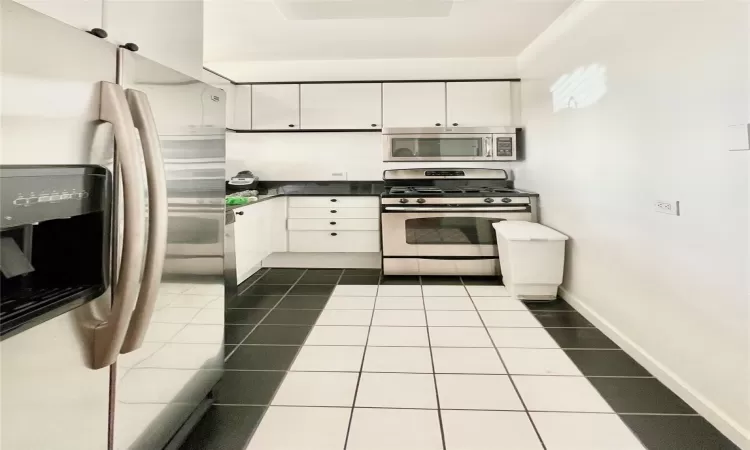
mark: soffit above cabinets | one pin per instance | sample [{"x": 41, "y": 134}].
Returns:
[{"x": 292, "y": 30}]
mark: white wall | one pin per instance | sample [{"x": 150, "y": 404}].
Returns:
[
  {"x": 366, "y": 69},
  {"x": 674, "y": 288},
  {"x": 317, "y": 156}
]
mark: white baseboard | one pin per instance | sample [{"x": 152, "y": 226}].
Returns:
[
  {"x": 324, "y": 260},
  {"x": 733, "y": 430}
]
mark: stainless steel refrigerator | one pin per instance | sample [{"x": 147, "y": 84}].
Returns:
[{"x": 134, "y": 367}]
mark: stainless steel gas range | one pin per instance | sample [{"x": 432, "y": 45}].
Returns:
[{"x": 439, "y": 221}]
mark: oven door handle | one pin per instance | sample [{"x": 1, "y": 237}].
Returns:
[{"x": 457, "y": 209}]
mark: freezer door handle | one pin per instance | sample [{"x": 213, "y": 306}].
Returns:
[
  {"x": 156, "y": 246},
  {"x": 110, "y": 333}
]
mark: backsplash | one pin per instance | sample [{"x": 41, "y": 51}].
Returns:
[{"x": 320, "y": 156}]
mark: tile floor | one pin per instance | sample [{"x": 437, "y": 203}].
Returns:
[{"x": 347, "y": 359}]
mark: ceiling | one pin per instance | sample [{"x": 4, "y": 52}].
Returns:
[{"x": 278, "y": 30}]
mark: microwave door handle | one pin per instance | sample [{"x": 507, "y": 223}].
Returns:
[
  {"x": 156, "y": 246},
  {"x": 488, "y": 147},
  {"x": 110, "y": 333}
]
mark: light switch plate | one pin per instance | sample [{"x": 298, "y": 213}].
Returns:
[{"x": 667, "y": 207}]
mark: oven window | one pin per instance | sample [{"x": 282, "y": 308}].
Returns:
[
  {"x": 454, "y": 147},
  {"x": 451, "y": 231}
]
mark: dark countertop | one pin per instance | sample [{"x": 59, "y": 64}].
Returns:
[{"x": 316, "y": 188}]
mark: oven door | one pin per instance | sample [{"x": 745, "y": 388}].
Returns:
[
  {"x": 445, "y": 231},
  {"x": 437, "y": 147}
]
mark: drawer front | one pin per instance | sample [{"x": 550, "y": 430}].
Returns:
[
  {"x": 334, "y": 242},
  {"x": 334, "y": 224},
  {"x": 334, "y": 212},
  {"x": 337, "y": 202}
]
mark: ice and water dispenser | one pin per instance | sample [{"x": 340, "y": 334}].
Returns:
[{"x": 55, "y": 241}]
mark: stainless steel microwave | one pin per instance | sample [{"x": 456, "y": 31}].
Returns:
[{"x": 450, "y": 144}]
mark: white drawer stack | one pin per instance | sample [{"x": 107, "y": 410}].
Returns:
[{"x": 334, "y": 224}]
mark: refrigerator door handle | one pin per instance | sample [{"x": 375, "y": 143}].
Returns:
[
  {"x": 156, "y": 247},
  {"x": 110, "y": 334}
]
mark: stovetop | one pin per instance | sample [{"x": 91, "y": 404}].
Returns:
[{"x": 454, "y": 191}]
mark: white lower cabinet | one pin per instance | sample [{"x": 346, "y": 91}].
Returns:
[
  {"x": 334, "y": 213},
  {"x": 259, "y": 230},
  {"x": 334, "y": 242},
  {"x": 333, "y": 224}
]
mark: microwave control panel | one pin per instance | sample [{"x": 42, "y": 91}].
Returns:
[{"x": 504, "y": 146}]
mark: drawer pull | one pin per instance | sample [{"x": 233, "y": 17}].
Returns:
[
  {"x": 334, "y": 200},
  {"x": 334, "y": 234},
  {"x": 333, "y": 223},
  {"x": 334, "y": 211},
  {"x": 240, "y": 213}
]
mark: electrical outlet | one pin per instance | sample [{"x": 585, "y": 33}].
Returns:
[{"x": 667, "y": 207}]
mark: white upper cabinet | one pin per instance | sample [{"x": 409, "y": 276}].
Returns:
[
  {"x": 416, "y": 105},
  {"x": 275, "y": 106},
  {"x": 82, "y": 14},
  {"x": 479, "y": 104},
  {"x": 341, "y": 106},
  {"x": 242, "y": 117},
  {"x": 168, "y": 32}
]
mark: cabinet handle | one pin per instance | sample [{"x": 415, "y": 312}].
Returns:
[
  {"x": 333, "y": 223},
  {"x": 334, "y": 211},
  {"x": 240, "y": 213},
  {"x": 374, "y": 125},
  {"x": 334, "y": 234},
  {"x": 291, "y": 125},
  {"x": 455, "y": 124},
  {"x": 437, "y": 124},
  {"x": 334, "y": 200}
]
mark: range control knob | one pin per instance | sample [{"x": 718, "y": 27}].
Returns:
[
  {"x": 489, "y": 200},
  {"x": 506, "y": 200},
  {"x": 404, "y": 200},
  {"x": 421, "y": 200}
]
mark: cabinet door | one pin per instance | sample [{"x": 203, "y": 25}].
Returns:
[
  {"x": 168, "y": 32},
  {"x": 242, "y": 114},
  {"x": 275, "y": 106},
  {"x": 277, "y": 235},
  {"x": 82, "y": 14},
  {"x": 415, "y": 105},
  {"x": 341, "y": 106},
  {"x": 243, "y": 243},
  {"x": 479, "y": 104}
]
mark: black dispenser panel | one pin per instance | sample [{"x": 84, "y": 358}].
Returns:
[{"x": 56, "y": 241}]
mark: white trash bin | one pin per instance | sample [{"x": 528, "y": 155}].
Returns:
[{"x": 531, "y": 259}]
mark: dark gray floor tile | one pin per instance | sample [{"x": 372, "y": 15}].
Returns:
[
  {"x": 312, "y": 289},
  {"x": 640, "y": 395},
  {"x": 614, "y": 363},
  {"x": 244, "y": 316},
  {"x": 399, "y": 280},
  {"x": 325, "y": 272},
  {"x": 309, "y": 278},
  {"x": 292, "y": 317},
  {"x": 303, "y": 302},
  {"x": 267, "y": 289},
  {"x": 224, "y": 428},
  {"x": 234, "y": 334},
  {"x": 255, "y": 301},
  {"x": 580, "y": 338},
  {"x": 281, "y": 276},
  {"x": 360, "y": 279},
  {"x": 238, "y": 387},
  {"x": 251, "y": 280},
  {"x": 554, "y": 305},
  {"x": 261, "y": 357},
  {"x": 228, "y": 349},
  {"x": 451, "y": 281},
  {"x": 561, "y": 319},
  {"x": 677, "y": 433},
  {"x": 482, "y": 281},
  {"x": 361, "y": 272},
  {"x": 279, "y": 334}
]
